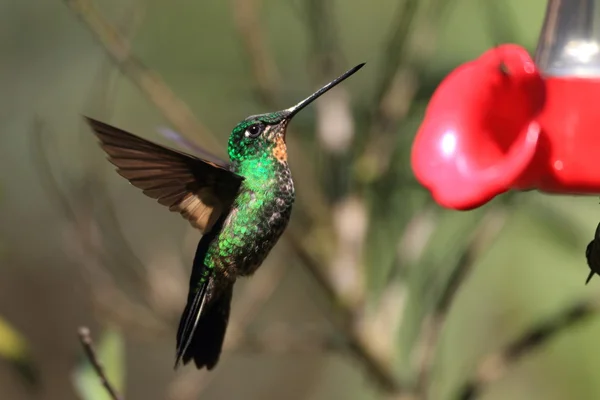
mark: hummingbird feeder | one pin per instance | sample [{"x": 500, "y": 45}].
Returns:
[{"x": 506, "y": 121}]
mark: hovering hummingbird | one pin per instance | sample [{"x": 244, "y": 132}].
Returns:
[
  {"x": 592, "y": 254},
  {"x": 241, "y": 208}
]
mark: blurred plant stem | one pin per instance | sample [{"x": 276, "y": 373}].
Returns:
[
  {"x": 495, "y": 365},
  {"x": 408, "y": 47},
  {"x": 348, "y": 321},
  {"x": 481, "y": 239}
]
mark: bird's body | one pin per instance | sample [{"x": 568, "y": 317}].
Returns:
[
  {"x": 239, "y": 243},
  {"x": 242, "y": 208},
  {"x": 259, "y": 213},
  {"x": 592, "y": 255}
]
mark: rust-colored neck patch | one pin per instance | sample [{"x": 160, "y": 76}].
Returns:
[{"x": 280, "y": 149}]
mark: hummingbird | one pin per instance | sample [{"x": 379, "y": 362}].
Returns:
[
  {"x": 241, "y": 208},
  {"x": 592, "y": 254}
]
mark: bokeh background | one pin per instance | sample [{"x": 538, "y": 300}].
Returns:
[{"x": 374, "y": 292}]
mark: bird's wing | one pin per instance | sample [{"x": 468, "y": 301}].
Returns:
[{"x": 198, "y": 189}]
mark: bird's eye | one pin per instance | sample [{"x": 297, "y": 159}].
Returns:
[{"x": 254, "y": 130}]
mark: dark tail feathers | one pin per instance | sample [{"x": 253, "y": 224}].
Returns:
[{"x": 207, "y": 339}]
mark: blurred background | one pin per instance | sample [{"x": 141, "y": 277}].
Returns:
[{"x": 374, "y": 292}]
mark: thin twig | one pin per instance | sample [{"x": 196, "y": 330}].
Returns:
[
  {"x": 85, "y": 339},
  {"x": 495, "y": 365}
]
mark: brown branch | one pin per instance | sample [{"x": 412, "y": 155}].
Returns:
[
  {"x": 481, "y": 239},
  {"x": 359, "y": 343},
  {"x": 497, "y": 364},
  {"x": 85, "y": 339},
  {"x": 84, "y": 246},
  {"x": 101, "y": 100},
  {"x": 93, "y": 184},
  {"x": 109, "y": 298},
  {"x": 151, "y": 84}
]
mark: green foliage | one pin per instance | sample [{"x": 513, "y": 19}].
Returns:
[{"x": 15, "y": 350}]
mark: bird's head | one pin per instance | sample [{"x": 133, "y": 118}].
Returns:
[{"x": 262, "y": 137}]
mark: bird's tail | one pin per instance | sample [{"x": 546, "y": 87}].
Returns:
[{"x": 202, "y": 328}]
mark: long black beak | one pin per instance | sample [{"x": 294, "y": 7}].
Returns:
[
  {"x": 589, "y": 278},
  {"x": 294, "y": 110}
]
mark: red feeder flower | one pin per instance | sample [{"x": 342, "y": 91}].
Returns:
[{"x": 505, "y": 122}]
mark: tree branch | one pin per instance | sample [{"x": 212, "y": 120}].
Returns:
[
  {"x": 359, "y": 343},
  {"x": 151, "y": 84},
  {"x": 85, "y": 245},
  {"x": 85, "y": 339},
  {"x": 495, "y": 365}
]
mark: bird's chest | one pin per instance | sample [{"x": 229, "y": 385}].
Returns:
[{"x": 254, "y": 225}]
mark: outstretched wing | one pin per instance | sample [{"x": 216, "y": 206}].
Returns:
[{"x": 198, "y": 189}]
